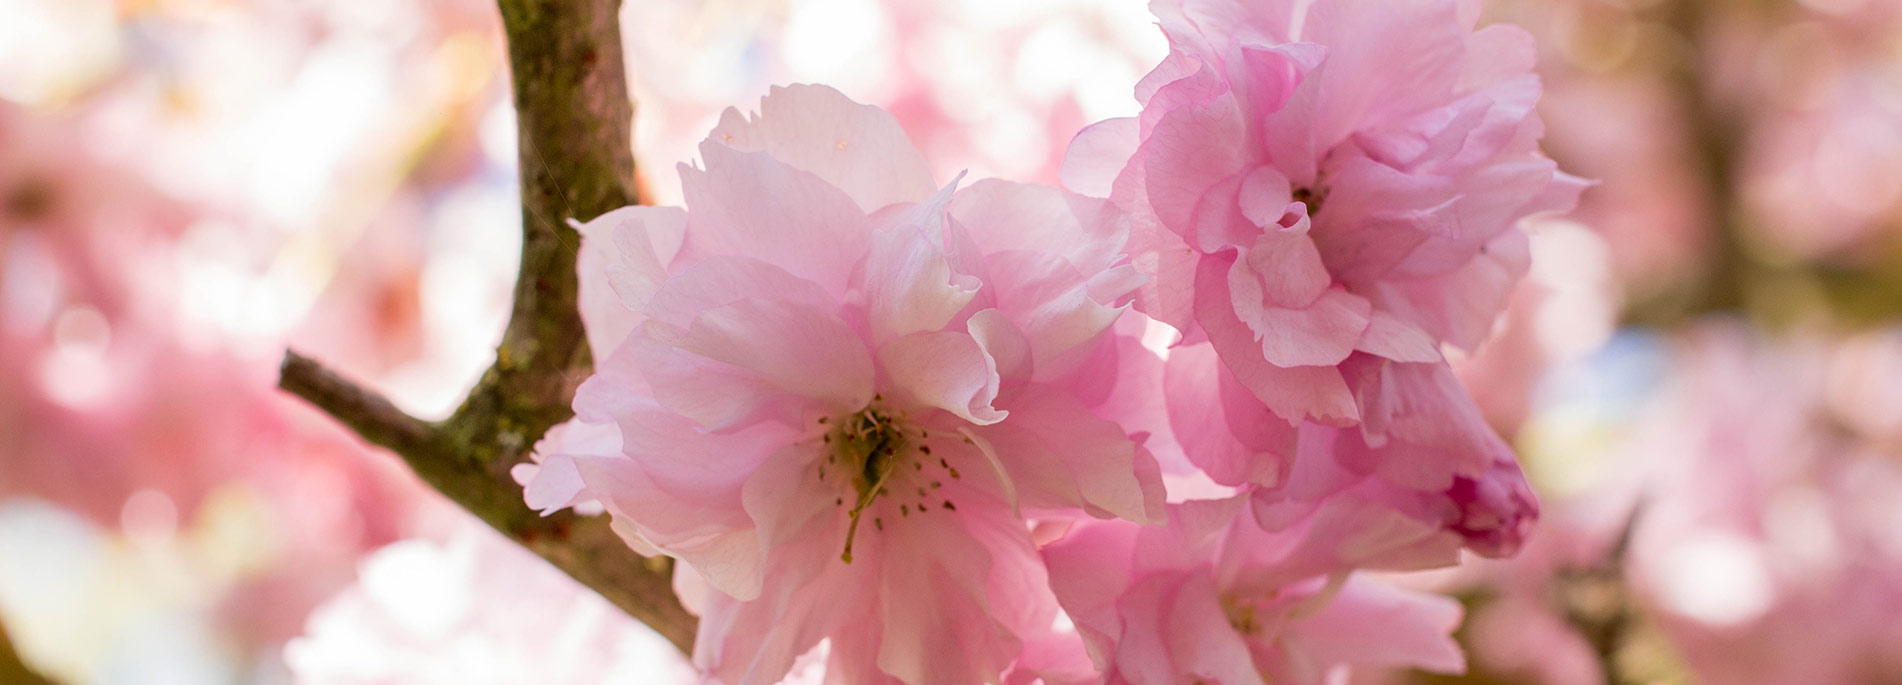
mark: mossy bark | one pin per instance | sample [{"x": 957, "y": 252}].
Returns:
[{"x": 573, "y": 117}]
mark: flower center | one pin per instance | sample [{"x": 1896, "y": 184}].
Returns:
[
  {"x": 1241, "y": 615},
  {"x": 883, "y": 456},
  {"x": 1310, "y": 197}
]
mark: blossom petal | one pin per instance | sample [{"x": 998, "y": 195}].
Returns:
[
  {"x": 721, "y": 280},
  {"x": 767, "y": 346},
  {"x": 909, "y": 285},
  {"x": 1190, "y": 152},
  {"x": 623, "y": 260},
  {"x": 860, "y": 149},
  {"x": 752, "y": 205},
  {"x": 1459, "y": 307},
  {"x": 1390, "y": 337},
  {"x": 1223, "y": 428},
  {"x": 1294, "y": 393},
  {"x": 1370, "y": 623},
  {"x": 946, "y": 599},
  {"x": 681, "y": 518},
  {"x": 1000, "y": 216},
  {"x": 1058, "y": 454},
  {"x": 946, "y": 370},
  {"x": 1097, "y": 155}
]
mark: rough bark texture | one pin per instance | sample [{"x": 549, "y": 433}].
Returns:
[{"x": 573, "y": 116}]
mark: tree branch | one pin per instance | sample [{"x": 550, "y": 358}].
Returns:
[
  {"x": 12, "y": 668},
  {"x": 584, "y": 547},
  {"x": 573, "y": 117},
  {"x": 1716, "y": 131},
  {"x": 363, "y": 411}
]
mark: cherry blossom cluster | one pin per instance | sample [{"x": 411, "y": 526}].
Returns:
[{"x": 1143, "y": 428}]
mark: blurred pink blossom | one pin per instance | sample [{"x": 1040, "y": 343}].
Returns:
[
  {"x": 476, "y": 608},
  {"x": 1766, "y": 545}
]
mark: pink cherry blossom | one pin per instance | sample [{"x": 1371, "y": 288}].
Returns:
[
  {"x": 840, "y": 387},
  {"x": 1766, "y": 546},
  {"x": 475, "y": 608},
  {"x": 1214, "y": 597},
  {"x": 1422, "y": 456},
  {"x": 1317, "y": 181}
]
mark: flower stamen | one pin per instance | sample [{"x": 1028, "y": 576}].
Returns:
[{"x": 872, "y": 441}]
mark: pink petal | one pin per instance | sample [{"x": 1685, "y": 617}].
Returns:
[
  {"x": 1210, "y": 413},
  {"x": 1058, "y": 454},
  {"x": 947, "y": 617},
  {"x": 701, "y": 526},
  {"x": 1191, "y": 151},
  {"x": 1006, "y": 345},
  {"x": 1392, "y": 338},
  {"x": 1497, "y": 510},
  {"x": 1169, "y": 263},
  {"x": 1140, "y": 650},
  {"x": 721, "y": 280},
  {"x": 1384, "y": 61},
  {"x": 1052, "y": 303},
  {"x": 1320, "y": 334},
  {"x": 766, "y": 347},
  {"x": 1055, "y": 659},
  {"x": 1175, "y": 66},
  {"x": 752, "y": 205},
  {"x": 715, "y": 395},
  {"x": 1421, "y": 411},
  {"x": 1375, "y": 216},
  {"x": 860, "y": 149},
  {"x": 1199, "y": 637},
  {"x": 1089, "y": 568},
  {"x": 946, "y": 370},
  {"x": 785, "y": 492},
  {"x": 550, "y": 485},
  {"x": 1509, "y": 191},
  {"x": 1267, "y": 77},
  {"x": 1459, "y": 307},
  {"x": 927, "y": 215},
  {"x": 1097, "y": 155},
  {"x": 909, "y": 285},
  {"x": 1296, "y": 393},
  {"x": 1350, "y": 530},
  {"x": 1210, "y": 27},
  {"x": 1000, "y": 216},
  {"x": 1049, "y": 262},
  {"x": 1371, "y": 623},
  {"x": 756, "y": 642},
  {"x": 1281, "y": 269},
  {"x": 624, "y": 257}
]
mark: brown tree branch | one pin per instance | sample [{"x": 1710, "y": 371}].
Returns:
[
  {"x": 584, "y": 547},
  {"x": 1598, "y": 603},
  {"x": 573, "y": 117},
  {"x": 13, "y": 669},
  {"x": 1716, "y": 130}
]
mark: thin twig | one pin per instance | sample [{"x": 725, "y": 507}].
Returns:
[
  {"x": 586, "y": 548},
  {"x": 363, "y": 411},
  {"x": 1597, "y": 601}
]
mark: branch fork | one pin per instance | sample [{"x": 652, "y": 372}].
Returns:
[{"x": 573, "y": 117}]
